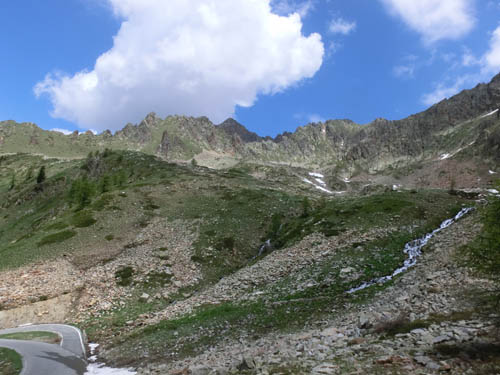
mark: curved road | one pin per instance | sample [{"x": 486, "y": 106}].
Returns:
[{"x": 68, "y": 358}]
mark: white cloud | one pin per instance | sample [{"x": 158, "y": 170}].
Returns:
[
  {"x": 196, "y": 57},
  {"x": 64, "y": 131},
  {"x": 485, "y": 66},
  {"x": 309, "y": 117},
  {"x": 491, "y": 60},
  {"x": 404, "y": 71},
  {"x": 341, "y": 26},
  {"x": 287, "y": 7},
  {"x": 315, "y": 118},
  {"x": 435, "y": 19},
  {"x": 443, "y": 90}
]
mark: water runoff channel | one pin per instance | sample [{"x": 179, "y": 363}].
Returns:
[{"x": 414, "y": 250}]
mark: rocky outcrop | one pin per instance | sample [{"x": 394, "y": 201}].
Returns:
[
  {"x": 164, "y": 145},
  {"x": 233, "y": 127}
]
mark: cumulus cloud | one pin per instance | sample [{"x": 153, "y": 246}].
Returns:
[
  {"x": 435, "y": 19},
  {"x": 491, "y": 60},
  {"x": 341, "y": 26},
  {"x": 196, "y": 57}
]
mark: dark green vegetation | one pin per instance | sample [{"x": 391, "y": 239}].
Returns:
[
  {"x": 42, "y": 336},
  {"x": 56, "y": 237},
  {"x": 124, "y": 276},
  {"x": 10, "y": 362}
]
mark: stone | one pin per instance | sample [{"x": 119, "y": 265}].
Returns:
[
  {"x": 325, "y": 368},
  {"x": 199, "y": 370},
  {"x": 422, "y": 360},
  {"x": 364, "y": 320},
  {"x": 440, "y": 339},
  {"x": 329, "y": 332},
  {"x": 247, "y": 363}
]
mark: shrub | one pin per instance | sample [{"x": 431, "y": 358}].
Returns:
[
  {"x": 41, "y": 175},
  {"x": 124, "y": 276},
  {"x": 56, "y": 237},
  {"x": 81, "y": 192},
  {"x": 83, "y": 219},
  {"x": 56, "y": 226}
]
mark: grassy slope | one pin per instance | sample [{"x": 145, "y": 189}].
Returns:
[
  {"x": 234, "y": 214},
  {"x": 10, "y": 362},
  {"x": 47, "y": 337}
]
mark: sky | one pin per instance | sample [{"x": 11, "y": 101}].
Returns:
[{"x": 273, "y": 65}]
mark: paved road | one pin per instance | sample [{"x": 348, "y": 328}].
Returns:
[{"x": 68, "y": 358}]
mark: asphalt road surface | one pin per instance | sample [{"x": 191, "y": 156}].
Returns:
[{"x": 68, "y": 358}]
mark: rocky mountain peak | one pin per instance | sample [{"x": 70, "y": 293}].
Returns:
[{"x": 232, "y": 127}]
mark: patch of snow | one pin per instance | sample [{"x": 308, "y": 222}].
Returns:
[
  {"x": 396, "y": 186},
  {"x": 93, "y": 347},
  {"x": 444, "y": 156},
  {"x": 346, "y": 180},
  {"x": 492, "y": 172},
  {"x": 317, "y": 186},
  {"x": 320, "y": 181},
  {"x": 493, "y": 191},
  {"x": 309, "y": 182},
  {"x": 323, "y": 189},
  {"x": 489, "y": 114},
  {"x": 314, "y": 174},
  {"x": 100, "y": 369}
]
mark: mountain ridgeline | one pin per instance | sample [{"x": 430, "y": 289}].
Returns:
[{"x": 460, "y": 127}]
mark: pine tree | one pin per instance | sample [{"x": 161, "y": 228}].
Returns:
[
  {"x": 41, "y": 175},
  {"x": 12, "y": 182}
]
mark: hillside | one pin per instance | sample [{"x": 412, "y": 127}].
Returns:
[{"x": 249, "y": 260}]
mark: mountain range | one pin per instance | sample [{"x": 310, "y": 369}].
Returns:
[{"x": 465, "y": 127}]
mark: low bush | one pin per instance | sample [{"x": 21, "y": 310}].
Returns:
[
  {"x": 124, "y": 276},
  {"x": 83, "y": 219},
  {"x": 56, "y": 237}
]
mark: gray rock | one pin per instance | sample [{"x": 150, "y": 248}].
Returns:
[
  {"x": 199, "y": 370},
  {"x": 325, "y": 368},
  {"x": 440, "y": 339}
]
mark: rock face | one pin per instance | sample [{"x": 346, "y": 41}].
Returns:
[
  {"x": 233, "y": 127},
  {"x": 464, "y": 126},
  {"x": 164, "y": 145}
]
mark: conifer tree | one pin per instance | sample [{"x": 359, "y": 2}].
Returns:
[{"x": 41, "y": 175}]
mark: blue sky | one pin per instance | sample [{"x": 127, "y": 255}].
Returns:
[{"x": 98, "y": 64}]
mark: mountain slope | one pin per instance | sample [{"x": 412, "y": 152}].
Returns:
[{"x": 464, "y": 126}]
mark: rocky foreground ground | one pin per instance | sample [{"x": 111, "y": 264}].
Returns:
[{"x": 433, "y": 307}]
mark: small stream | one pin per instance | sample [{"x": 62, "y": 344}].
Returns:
[{"x": 413, "y": 249}]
